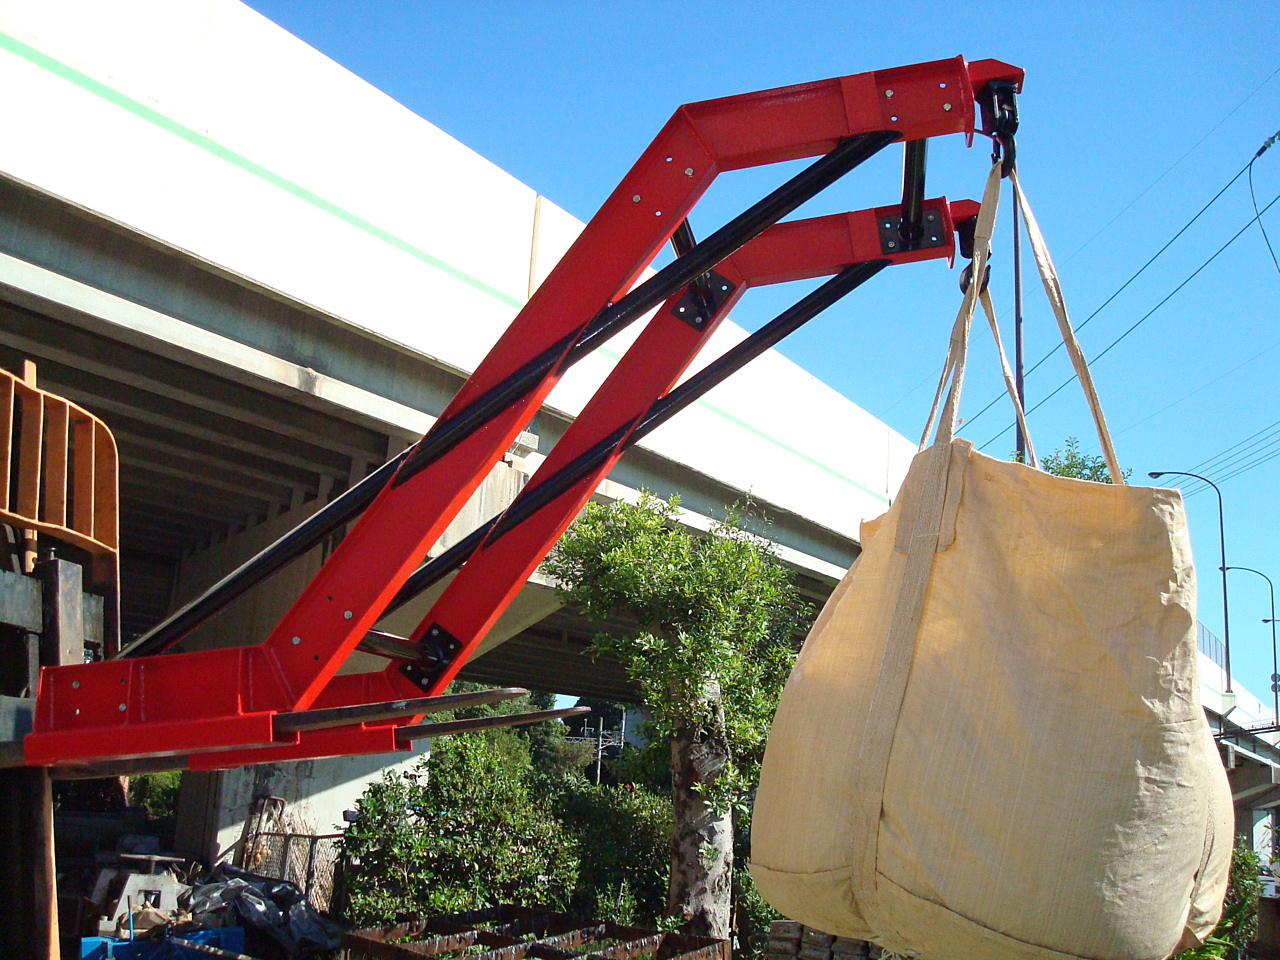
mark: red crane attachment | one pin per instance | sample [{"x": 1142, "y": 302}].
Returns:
[{"x": 282, "y": 698}]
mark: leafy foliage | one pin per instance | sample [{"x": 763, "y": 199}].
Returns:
[
  {"x": 506, "y": 816},
  {"x": 464, "y": 830},
  {"x": 157, "y": 792},
  {"x": 549, "y": 752},
  {"x": 624, "y": 838},
  {"x": 1071, "y": 461},
  {"x": 716, "y": 608},
  {"x": 715, "y": 619},
  {"x": 1239, "y": 923},
  {"x": 457, "y": 832}
]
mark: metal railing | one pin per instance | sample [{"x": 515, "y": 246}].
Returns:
[
  {"x": 58, "y": 468},
  {"x": 1210, "y": 645}
]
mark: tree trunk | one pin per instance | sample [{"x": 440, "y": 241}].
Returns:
[{"x": 701, "y": 886}]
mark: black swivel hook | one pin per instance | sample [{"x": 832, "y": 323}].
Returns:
[
  {"x": 966, "y": 276},
  {"x": 998, "y": 101},
  {"x": 965, "y": 234}
]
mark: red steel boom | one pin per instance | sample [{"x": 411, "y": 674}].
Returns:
[{"x": 226, "y": 707}]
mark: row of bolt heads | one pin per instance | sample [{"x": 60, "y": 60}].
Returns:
[{"x": 688, "y": 171}]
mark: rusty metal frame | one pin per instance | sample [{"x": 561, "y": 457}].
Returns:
[
  {"x": 515, "y": 933},
  {"x": 59, "y": 477}
]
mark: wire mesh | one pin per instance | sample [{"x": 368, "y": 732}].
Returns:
[{"x": 305, "y": 860}]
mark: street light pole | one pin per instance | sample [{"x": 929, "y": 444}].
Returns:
[
  {"x": 1275, "y": 667},
  {"x": 1222, "y": 543}
]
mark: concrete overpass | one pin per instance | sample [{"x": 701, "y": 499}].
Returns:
[{"x": 267, "y": 277}]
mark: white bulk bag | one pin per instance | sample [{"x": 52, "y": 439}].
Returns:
[{"x": 992, "y": 744}]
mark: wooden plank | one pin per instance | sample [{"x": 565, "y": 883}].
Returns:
[
  {"x": 82, "y": 477},
  {"x": 30, "y": 442},
  {"x": 31, "y": 527},
  {"x": 56, "y": 425},
  {"x": 62, "y": 639},
  {"x": 29, "y": 921},
  {"x": 29, "y": 436}
]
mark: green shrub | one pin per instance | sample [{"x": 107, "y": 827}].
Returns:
[
  {"x": 463, "y": 831},
  {"x": 157, "y": 792},
  {"x": 623, "y": 835}
]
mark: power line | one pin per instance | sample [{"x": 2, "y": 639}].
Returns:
[
  {"x": 1255, "y": 445},
  {"x": 1249, "y": 466},
  {"x": 1212, "y": 462},
  {"x": 1266, "y": 145},
  {"x": 1272, "y": 452},
  {"x": 1173, "y": 165},
  {"x": 1200, "y": 389},
  {"x": 1143, "y": 318},
  {"x": 1185, "y": 227},
  {"x": 1246, "y": 459},
  {"x": 1126, "y": 209}
]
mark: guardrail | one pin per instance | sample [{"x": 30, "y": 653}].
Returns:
[{"x": 1210, "y": 645}]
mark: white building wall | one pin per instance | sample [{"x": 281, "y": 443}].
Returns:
[{"x": 315, "y": 794}]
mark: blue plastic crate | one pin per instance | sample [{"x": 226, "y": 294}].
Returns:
[{"x": 109, "y": 948}]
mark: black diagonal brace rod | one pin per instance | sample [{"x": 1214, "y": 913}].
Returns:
[
  {"x": 675, "y": 276},
  {"x": 446, "y": 434},
  {"x": 263, "y": 564},
  {"x": 534, "y": 498},
  {"x": 911, "y": 231}
]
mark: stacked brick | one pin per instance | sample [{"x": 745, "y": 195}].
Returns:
[{"x": 789, "y": 940}]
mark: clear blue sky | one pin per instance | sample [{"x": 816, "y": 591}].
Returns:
[{"x": 1133, "y": 116}]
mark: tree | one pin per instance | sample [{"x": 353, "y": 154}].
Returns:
[
  {"x": 550, "y": 753},
  {"x": 715, "y": 617},
  {"x": 1072, "y": 462}
]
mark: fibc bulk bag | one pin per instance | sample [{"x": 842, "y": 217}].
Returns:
[{"x": 992, "y": 744}]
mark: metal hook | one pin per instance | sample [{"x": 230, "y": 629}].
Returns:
[
  {"x": 966, "y": 276},
  {"x": 999, "y": 103}
]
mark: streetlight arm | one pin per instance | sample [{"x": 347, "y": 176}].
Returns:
[{"x": 1275, "y": 663}]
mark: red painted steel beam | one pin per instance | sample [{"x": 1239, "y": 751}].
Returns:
[
  {"x": 170, "y": 704},
  {"x": 498, "y": 570}
]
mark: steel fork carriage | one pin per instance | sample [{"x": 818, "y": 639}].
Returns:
[{"x": 282, "y": 699}]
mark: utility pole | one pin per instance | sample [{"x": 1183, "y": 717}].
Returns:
[
  {"x": 599, "y": 749},
  {"x": 1017, "y": 333}
]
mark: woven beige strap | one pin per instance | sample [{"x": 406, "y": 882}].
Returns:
[
  {"x": 957, "y": 354},
  {"x": 1053, "y": 289},
  {"x": 1009, "y": 383}
]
